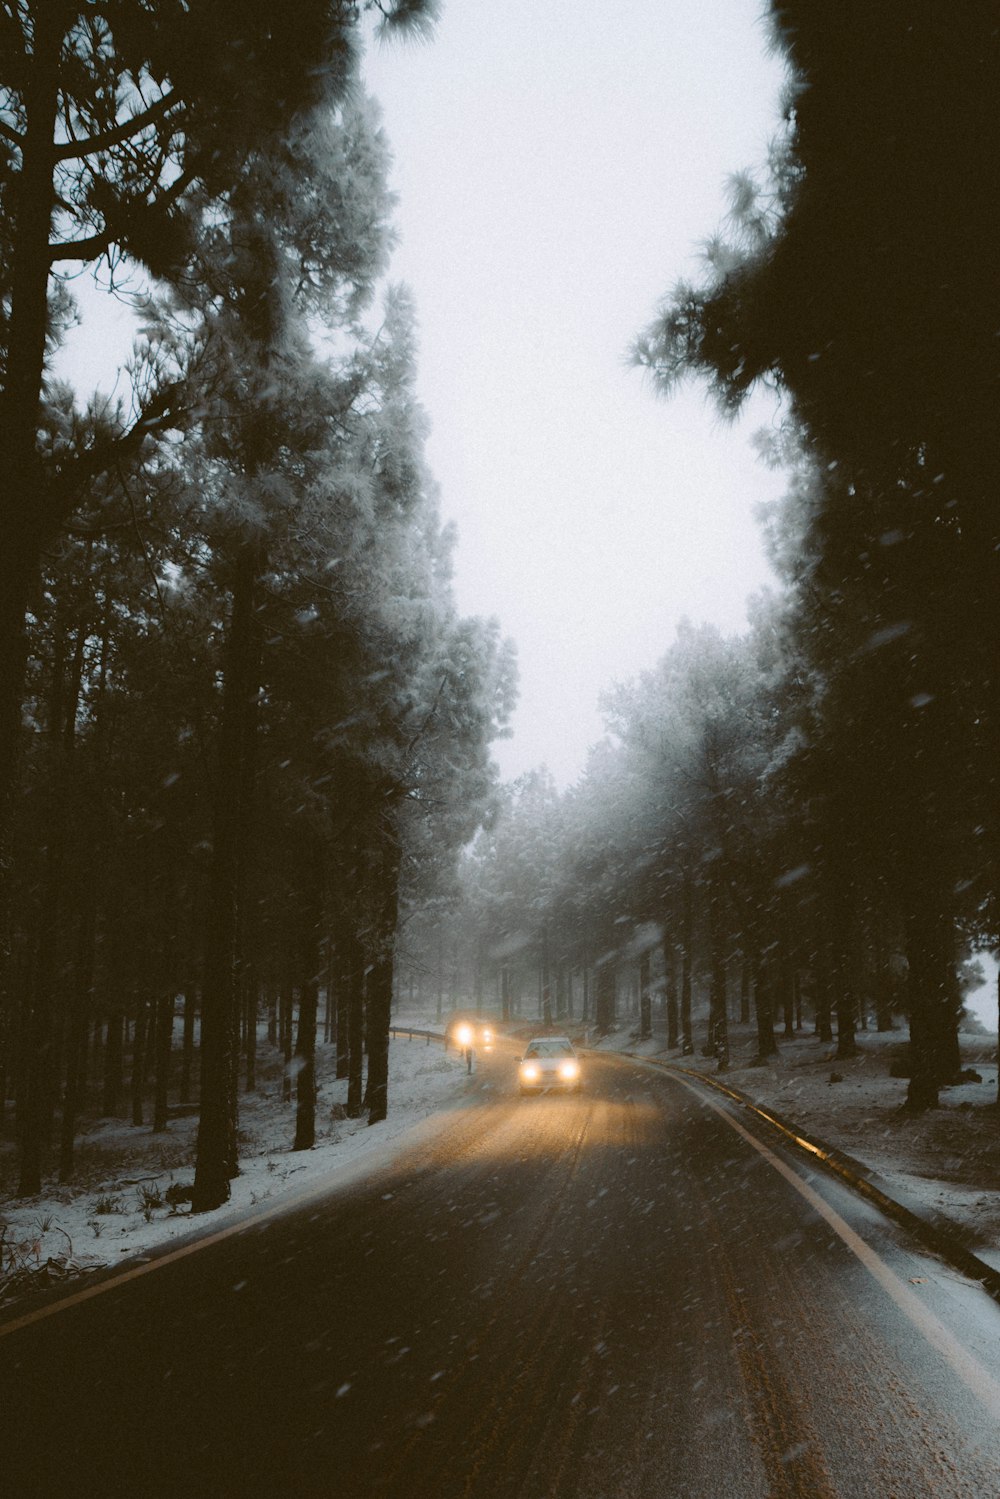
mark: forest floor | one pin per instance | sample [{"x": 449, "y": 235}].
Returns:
[{"x": 119, "y": 1202}]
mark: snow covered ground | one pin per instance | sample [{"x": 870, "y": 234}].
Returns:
[{"x": 118, "y": 1206}]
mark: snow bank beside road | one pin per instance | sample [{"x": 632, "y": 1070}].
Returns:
[{"x": 119, "y": 1207}]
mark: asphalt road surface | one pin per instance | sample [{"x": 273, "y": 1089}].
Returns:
[{"x": 631, "y": 1294}]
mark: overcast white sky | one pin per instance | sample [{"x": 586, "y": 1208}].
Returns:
[{"x": 557, "y": 166}]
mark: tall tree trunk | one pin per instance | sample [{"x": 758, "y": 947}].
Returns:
[
  {"x": 250, "y": 1023},
  {"x": 246, "y": 946},
  {"x": 164, "y": 1035},
  {"x": 922, "y": 1091},
  {"x": 379, "y": 988},
  {"x": 560, "y": 992},
  {"x": 233, "y": 1090},
  {"x": 343, "y": 1012},
  {"x": 718, "y": 1026},
  {"x": 545, "y": 982},
  {"x": 6, "y": 1048},
  {"x": 687, "y": 944},
  {"x": 766, "y": 1044},
  {"x": 824, "y": 1026},
  {"x": 216, "y": 1147},
  {"x": 193, "y": 989},
  {"x": 272, "y": 1013},
  {"x": 41, "y": 1059},
  {"x": 787, "y": 973},
  {"x": 26, "y": 521},
  {"x": 933, "y": 995},
  {"x": 114, "y": 1055},
  {"x": 305, "y": 1060},
  {"x": 79, "y": 1027},
  {"x": 673, "y": 1017},
  {"x": 645, "y": 1000},
  {"x": 841, "y": 974},
  {"x": 286, "y": 1015},
  {"x": 883, "y": 991},
  {"x": 18, "y": 562},
  {"x": 187, "y": 1042},
  {"x": 355, "y": 970},
  {"x": 39, "y": 1036},
  {"x": 139, "y": 1057},
  {"x": 839, "y": 923},
  {"x": 605, "y": 1006},
  {"x": 330, "y": 1007},
  {"x": 311, "y": 960}
]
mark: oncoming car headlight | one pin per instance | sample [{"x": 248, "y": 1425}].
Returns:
[
  {"x": 463, "y": 1035},
  {"x": 530, "y": 1072},
  {"x": 569, "y": 1070},
  {"x": 487, "y": 1036}
]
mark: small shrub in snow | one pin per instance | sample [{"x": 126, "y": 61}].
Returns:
[
  {"x": 177, "y": 1194},
  {"x": 150, "y": 1198}
]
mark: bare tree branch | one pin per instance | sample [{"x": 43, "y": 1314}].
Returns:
[{"x": 116, "y": 134}]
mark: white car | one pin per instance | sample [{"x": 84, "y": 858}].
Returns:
[{"x": 550, "y": 1062}]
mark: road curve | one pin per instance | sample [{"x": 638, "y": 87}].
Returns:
[{"x": 633, "y": 1294}]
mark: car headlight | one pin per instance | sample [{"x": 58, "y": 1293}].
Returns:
[
  {"x": 487, "y": 1036},
  {"x": 530, "y": 1072},
  {"x": 569, "y": 1070},
  {"x": 463, "y": 1035}
]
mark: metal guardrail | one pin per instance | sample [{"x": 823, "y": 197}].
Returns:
[
  {"x": 412, "y": 1032},
  {"x": 516, "y": 1030}
]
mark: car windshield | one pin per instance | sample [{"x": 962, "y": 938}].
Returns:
[{"x": 549, "y": 1049}]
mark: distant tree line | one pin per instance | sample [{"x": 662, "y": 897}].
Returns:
[
  {"x": 243, "y": 721},
  {"x": 686, "y": 878}
]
